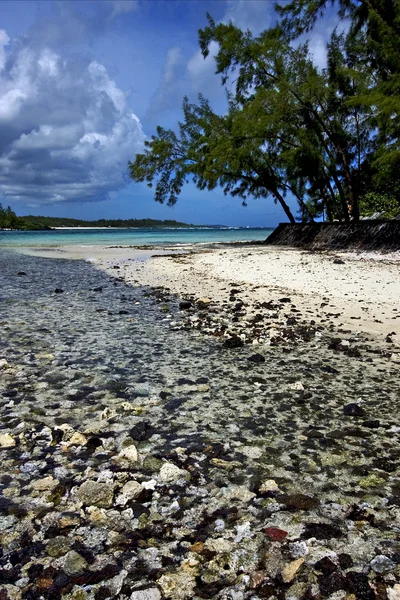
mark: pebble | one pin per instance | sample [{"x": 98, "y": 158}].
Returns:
[
  {"x": 148, "y": 594},
  {"x": 74, "y": 563},
  {"x": 382, "y": 564},
  {"x": 170, "y": 473},
  {"x": 290, "y": 570},
  {"x": 93, "y": 493},
  {"x": 7, "y": 441},
  {"x": 128, "y": 454}
]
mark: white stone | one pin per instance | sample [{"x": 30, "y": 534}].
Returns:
[
  {"x": 130, "y": 491},
  {"x": 78, "y": 439},
  {"x": 149, "y": 594},
  {"x": 218, "y": 545},
  {"x": 394, "y": 592},
  {"x": 129, "y": 454},
  {"x": 238, "y": 492},
  {"x": 243, "y": 531},
  {"x": 269, "y": 485},
  {"x": 297, "y": 386},
  {"x": 170, "y": 473},
  {"x": 251, "y": 451},
  {"x": 298, "y": 549},
  {"x": 7, "y": 441},
  {"x": 4, "y": 364}
]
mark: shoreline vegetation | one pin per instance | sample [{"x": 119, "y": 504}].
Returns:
[{"x": 10, "y": 221}]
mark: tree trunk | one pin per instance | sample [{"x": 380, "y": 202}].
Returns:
[
  {"x": 327, "y": 205},
  {"x": 343, "y": 202},
  {"x": 285, "y": 207},
  {"x": 353, "y": 197}
]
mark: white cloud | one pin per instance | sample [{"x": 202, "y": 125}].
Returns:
[
  {"x": 66, "y": 130},
  {"x": 172, "y": 87},
  {"x": 202, "y": 70},
  {"x": 250, "y": 14},
  {"x": 4, "y": 39},
  {"x": 123, "y": 6},
  {"x": 174, "y": 59}
]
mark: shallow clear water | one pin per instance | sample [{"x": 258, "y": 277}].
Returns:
[
  {"x": 135, "y": 237},
  {"x": 103, "y": 358}
]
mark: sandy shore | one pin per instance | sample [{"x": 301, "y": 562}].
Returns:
[{"x": 355, "y": 291}]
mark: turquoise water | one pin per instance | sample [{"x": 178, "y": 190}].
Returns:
[{"x": 134, "y": 237}]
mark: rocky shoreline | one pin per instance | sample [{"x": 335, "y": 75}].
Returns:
[{"x": 162, "y": 447}]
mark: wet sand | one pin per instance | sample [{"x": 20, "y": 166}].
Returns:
[{"x": 355, "y": 291}]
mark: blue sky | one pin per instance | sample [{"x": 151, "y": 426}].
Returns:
[{"x": 83, "y": 83}]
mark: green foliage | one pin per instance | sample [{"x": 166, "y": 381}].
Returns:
[
  {"x": 33, "y": 222},
  {"x": 8, "y": 218},
  {"x": 373, "y": 202}
]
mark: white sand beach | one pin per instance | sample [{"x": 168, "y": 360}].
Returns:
[{"x": 355, "y": 291}]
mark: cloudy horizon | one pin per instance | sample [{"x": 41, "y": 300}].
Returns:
[{"x": 83, "y": 84}]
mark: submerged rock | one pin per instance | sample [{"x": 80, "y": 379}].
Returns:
[{"x": 95, "y": 493}]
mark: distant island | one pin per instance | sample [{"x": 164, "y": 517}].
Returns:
[{"x": 9, "y": 220}]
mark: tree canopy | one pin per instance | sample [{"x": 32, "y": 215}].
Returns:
[{"x": 327, "y": 137}]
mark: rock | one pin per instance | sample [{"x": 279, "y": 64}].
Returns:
[
  {"x": 130, "y": 491},
  {"x": 74, "y": 563},
  {"x": 321, "y": 531},
  {"x": 204, "y": 301},
  {"x": 394, "y": 592},
  {"x": 298, "y": 549},
  {"x": 58, "y": 291},
  {"x": 233, "y": 342},
  {"x": 238, "y": 492},
  {"x": 269, "y": 485},
  {"x": 256, "y": 579},
  {"x": 4, "y": 364},
  {"x": 290, "y": 570},
  {"x": 382, "y": 564},
  {"x": 77, "y": 439},
  {"x": 275, "y": 534},
  {"x": 371, "y": 481},
  {"x": 185, "y": 305},
  {"x": 142, "y": 431},
  {"x": 284, "y": 300},
  {"x": 297, "y": 386},
  {"x": 220, "y": 463},
  {"x": 204, "y": 387},
  {"x": 299, "y": 501},
  {"x": 251, "y": 451},
  {"x": 353, "y": 410},
  {"x": 256, "y": 358},
  {"x": 181, "y": 584},
  {"x": 338, "y": 261},
  {"x": 170, "y": 473},
  {"x": 7, "y": 441},
  {"x": 94, "y": 493},
  {"x": 218, "y": 545},
  {"x": 46, "y": 484},
  {"x": 149, "y": 594},
  {"x": 129, "y": 454},
  {"x": 58, "y": 546}
]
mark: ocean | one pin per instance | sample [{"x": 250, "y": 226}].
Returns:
[{"x": 134, "y": 237}]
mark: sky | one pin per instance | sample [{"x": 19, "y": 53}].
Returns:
[{"x": 84, "y": 83}]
